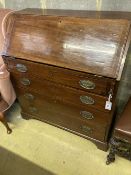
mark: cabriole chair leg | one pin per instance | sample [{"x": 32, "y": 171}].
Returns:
[{"x": 3, "y": 120}]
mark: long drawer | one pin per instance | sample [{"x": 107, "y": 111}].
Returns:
[
  {"x": 37, "y": 104},
  {"x": 65, "y": 116},
  {"x": 61, "y": 93},
  {"x": 71, "y": 78}
]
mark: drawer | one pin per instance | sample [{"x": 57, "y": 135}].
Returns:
[
  {"x": 61, "y": 93},
  {"x": 62, "y": 115},
  {"x": 78, "y": 127},
  {"x": 71, "y": 78},
  {"x": 37, "y": 104}
]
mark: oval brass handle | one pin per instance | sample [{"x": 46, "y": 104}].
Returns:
[
  {"x": 87, "y": 100},
  {"x": 87, "y": 84},
  {"x": 86, "y": 115},
  {"x": 21, "y": 68},
  {"x": 25, "y": 81},
  {"x": 29, "y": 96},
  {"x": 86, "y": 129},
  {"x": 33, "y": 109}
]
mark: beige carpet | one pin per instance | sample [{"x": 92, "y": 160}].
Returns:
[{"x": 36, "y": 148}]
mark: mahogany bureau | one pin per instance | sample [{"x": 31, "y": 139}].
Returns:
[{"x": 65, "y": 67}]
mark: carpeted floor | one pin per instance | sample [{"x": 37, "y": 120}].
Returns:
[{"x": 36, "y": 148}]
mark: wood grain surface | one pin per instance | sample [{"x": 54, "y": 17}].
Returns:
[
  {"x": 71, "y": 78},
  {"x": 65, "y": 64},
  {"x": 90, "y": 45},
  {"x": 63, "y": 115}
]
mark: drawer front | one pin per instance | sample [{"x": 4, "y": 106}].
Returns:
[
  {"x": 62, "y": 115},
  {"x": 79, "y": 80},
  {"x": 38, "y": 104},
  {"x": 61, "y": 93}
]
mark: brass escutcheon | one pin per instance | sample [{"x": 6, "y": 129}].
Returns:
[
  {"x": 87, "y": 100},
  {"x": 21, "y": 68},
  {"x": 86, "y": 129},
  {"x": 86, "y": 115},
  {"x": 29, "y": 96},
  {"x": 86, "y": 84},
  {"x": 25, "y": 81}
]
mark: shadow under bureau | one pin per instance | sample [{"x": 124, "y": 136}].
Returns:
[{"x": 65, "y": 67}]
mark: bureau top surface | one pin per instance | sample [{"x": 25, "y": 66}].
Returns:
[
  {"x": 77, "y": 13},
  {"x": 86, "y": 41}
]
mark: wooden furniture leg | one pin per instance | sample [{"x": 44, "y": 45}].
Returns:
[
  {"x": 3, "y": 120},
  {"x": 119, "y": 147},
  {"x": 121, "y": 141},
  {"x": 113, "y": 150}
]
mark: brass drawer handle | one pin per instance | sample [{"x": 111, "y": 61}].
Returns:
[
  {"x": 86, "y": 129},
  {"x": 86, "y": 115},
  {"x": 21, "y": 68},
  {"x": 25, "y": 81},
  {"x": 86, "y": 84},
  {"x": 87, "y": 100},
  {"x": 29, "y": 96},
  {"x": 33, "y": 109}
]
